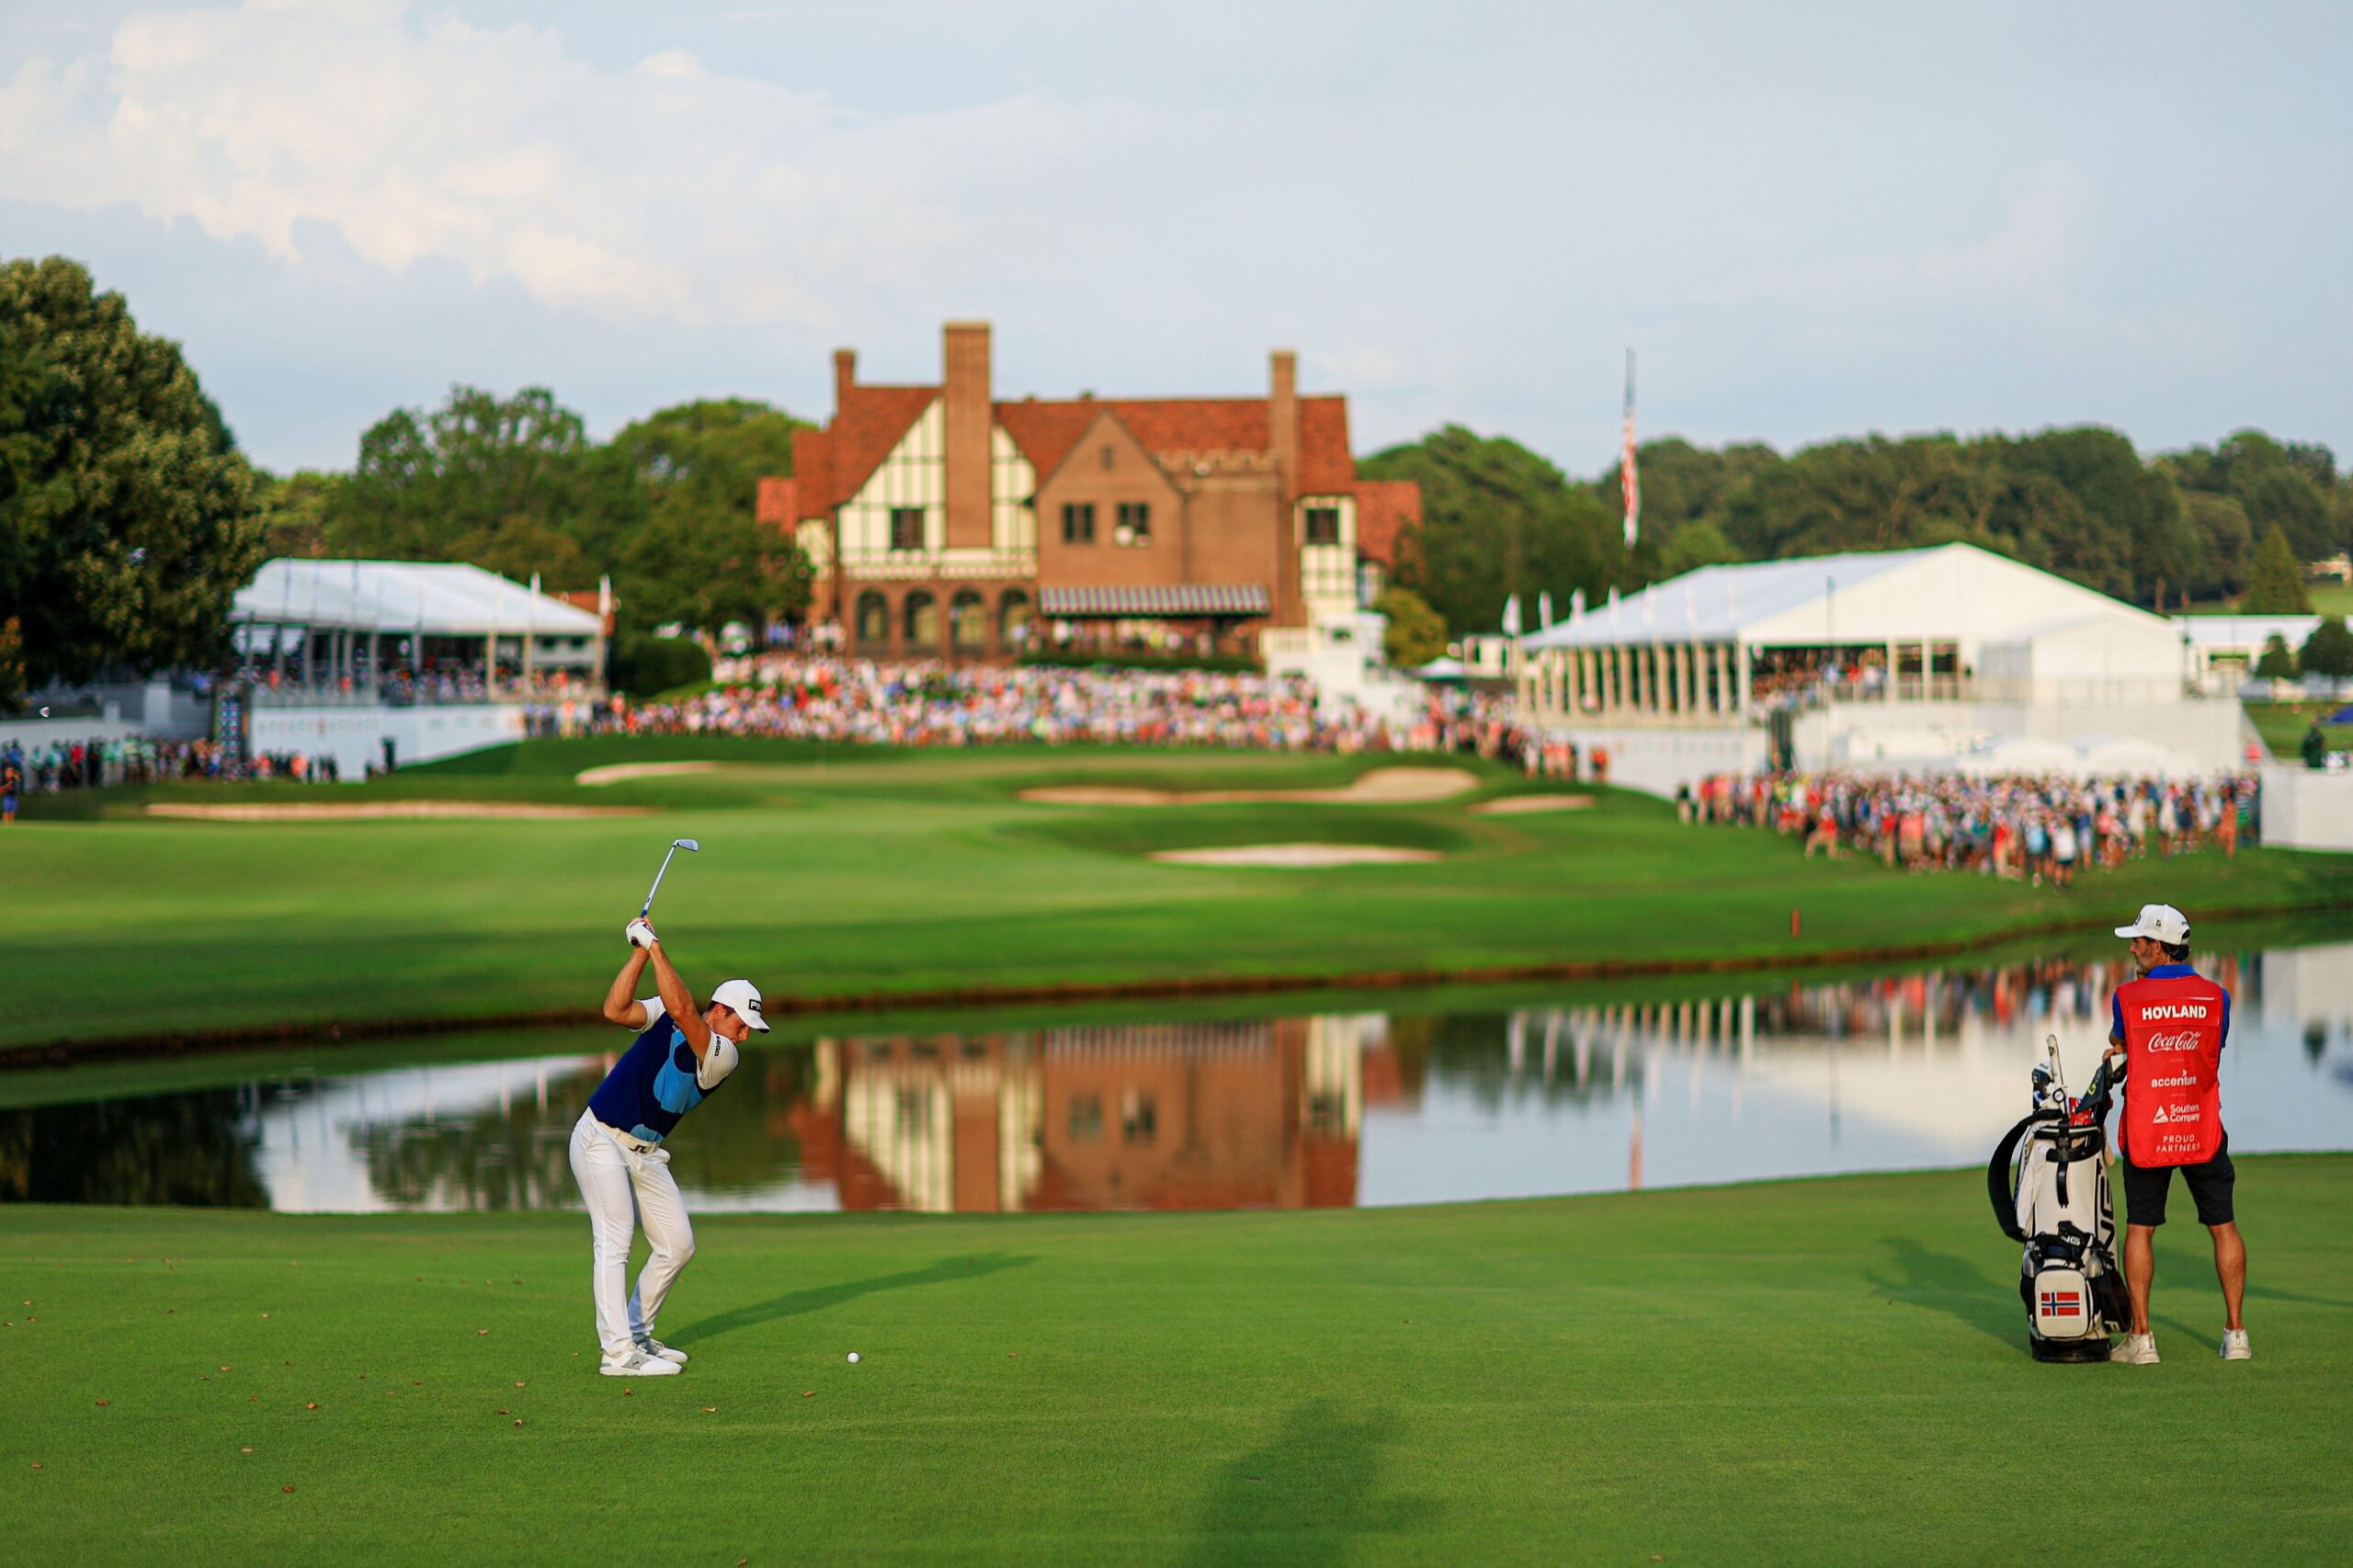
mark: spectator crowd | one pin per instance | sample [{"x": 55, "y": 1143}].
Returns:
[
  {"x": 932, "y": 703},
  {"x": 97, "y": 764},
  {"x": 2037, "y": 827}
]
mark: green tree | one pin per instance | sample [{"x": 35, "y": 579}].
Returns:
[
  {"x": 2329, "y": 650},
  {"x": 2278, "y": 662},
  {"x": 1415, "y": 634},
  {"x": 1497, "y": 520},
  {"x": 703, "y": 557},
  {"x": 2226, "y": 544},
  {"x": 127, "y": 517},
  {"x": 512, "y": 484},
  {"x": 2275, "y": 584},
  {"x": 297, "y": 515}
]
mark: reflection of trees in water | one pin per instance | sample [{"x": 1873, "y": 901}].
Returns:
[
  {"x": 519, "y": 1157},
  {"x": 193, "y": 1149}
]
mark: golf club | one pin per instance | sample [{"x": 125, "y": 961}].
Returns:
[{"x": 690, "y": 847}]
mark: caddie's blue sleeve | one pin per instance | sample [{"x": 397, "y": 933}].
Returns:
[
  {"x": 2115, "y": 1016},
  {"x": 2227, "y": 1019}
]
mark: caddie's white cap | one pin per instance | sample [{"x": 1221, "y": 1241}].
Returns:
[
  {"x": 2162, "y": 921},
  {"x": 745, "y": 998}
]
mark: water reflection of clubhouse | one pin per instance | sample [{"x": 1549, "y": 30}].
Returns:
[{"x": 1898, "y": 1071}]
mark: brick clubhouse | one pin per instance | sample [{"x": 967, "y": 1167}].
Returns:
[{"x": 941, "y": 520}]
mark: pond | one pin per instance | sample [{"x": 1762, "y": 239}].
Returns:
[{"x": 1445, "y": 1097}]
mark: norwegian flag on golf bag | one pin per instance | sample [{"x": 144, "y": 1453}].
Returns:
[{"x": 2062, "y": 1303}]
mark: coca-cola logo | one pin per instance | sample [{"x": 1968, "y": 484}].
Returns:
[{"x": 2180, "y": 1039}]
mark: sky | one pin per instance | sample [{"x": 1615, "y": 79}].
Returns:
[{"x": 1809, "y": 220}]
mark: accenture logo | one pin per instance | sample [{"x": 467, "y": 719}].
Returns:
[{"x": 2177, "y": 1082}]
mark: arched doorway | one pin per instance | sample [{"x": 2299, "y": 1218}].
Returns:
[
  {"x": 873, "y": 619},
  {"x": 967, "y": 622},
  {"x": 919, "y": 619},
  {"x": 1013, "y": 621}
]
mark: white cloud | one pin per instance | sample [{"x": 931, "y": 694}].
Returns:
[{"x": 664, "y": 190}]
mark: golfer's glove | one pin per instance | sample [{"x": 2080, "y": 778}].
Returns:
[{"x": 640, "y": 932}]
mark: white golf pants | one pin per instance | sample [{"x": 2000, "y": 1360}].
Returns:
[{"x": 625, "y": 1188}]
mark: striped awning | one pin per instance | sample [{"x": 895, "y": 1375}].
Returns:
[{"x": 1180, "y": 599}]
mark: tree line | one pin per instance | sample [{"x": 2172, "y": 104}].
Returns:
[
  {"x": 2233, "y": 522},
  {"x": 129, "y": 519}
]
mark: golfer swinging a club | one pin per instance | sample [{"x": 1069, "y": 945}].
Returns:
[{"x": 679, "y": 1056}]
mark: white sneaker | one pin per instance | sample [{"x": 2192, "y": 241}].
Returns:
[
  {"x": 2136, "y": 1349},
  {"x": 637, "y": 1364},
  {"x": 2235, "y": 1345},
  {"x": 652, "y": 1347}
]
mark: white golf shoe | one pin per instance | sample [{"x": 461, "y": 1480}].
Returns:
[
  {"x": 652, "y": 1347},
  {"x": 637, "y": 1364},
  {"x": 2235, "y": 1345},
  {"x": 2135, "y": 1351}
]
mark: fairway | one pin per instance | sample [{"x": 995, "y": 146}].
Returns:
[
  {"x": 1823, "y": 1371},
  {"x": 835, "y": 876}
]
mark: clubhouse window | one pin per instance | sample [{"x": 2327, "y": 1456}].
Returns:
[
  {"x": 1139, "y": 1118},
  {"x": 1323, "y": 525},
  {"x": 1078, "y": 522},
  {"x": 1110, "y": 458},
  {"x": 1135, "y": 522},
  {"x": 1086, "y": 1117},
  {"x": 906, "y": 527}
]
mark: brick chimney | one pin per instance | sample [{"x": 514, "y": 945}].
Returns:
[
  {"x": 969, "y": 418},
  {"x": 1282, "y": 419},
  {"x": 1282, "y": 446},
  {"x": 845, "y": 377}
]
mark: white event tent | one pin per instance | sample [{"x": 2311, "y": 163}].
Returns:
[
  {"x": 335, "y": 614},
  {"x": 1919, "y": 658}
]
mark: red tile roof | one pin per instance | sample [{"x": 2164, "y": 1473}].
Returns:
[
  {"x": 813, "y": 471},
  {"x": 1387, "y": 509},
  {"x": 779, "y": 502},
  {"x": 869, "y": 422},
  {"x": 830, "y": 465}
]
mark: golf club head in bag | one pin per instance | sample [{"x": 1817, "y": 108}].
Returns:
[{"x": 2048, "y": 1182}]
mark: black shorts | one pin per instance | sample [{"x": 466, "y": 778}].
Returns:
[{"x": 2208, "y": 1182}]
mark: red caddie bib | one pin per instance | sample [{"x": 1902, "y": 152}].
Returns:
[{"x": 2173, "y": 1052}]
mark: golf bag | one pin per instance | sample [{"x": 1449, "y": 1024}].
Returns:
[{"x": 2048, "y": 1182}]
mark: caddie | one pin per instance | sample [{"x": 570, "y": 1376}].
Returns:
[
  {"x": 2170, "y": 1024},
  {"x": 681, "y": 1056}
]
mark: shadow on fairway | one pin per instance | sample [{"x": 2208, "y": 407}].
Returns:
[
  {"x": 798, "y": 1304},
  {"x": 1305, "y": 1497},
  {"x": 1954, "y": 1287}
]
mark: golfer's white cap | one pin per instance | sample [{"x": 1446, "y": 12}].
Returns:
[
  {"x": 2162, "y": 921},
  {"x": 744, "y": 997}
]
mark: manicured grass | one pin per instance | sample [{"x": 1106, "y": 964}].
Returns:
[
  {"x": 2282, "y": 725},
  {"x": 1822, "y": 1371},
  {"x": 2328, "y": 598},
  {"x": 878, "y": 872}
]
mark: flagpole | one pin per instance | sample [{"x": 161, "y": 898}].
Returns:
[{"x": 1629, "y": 482}]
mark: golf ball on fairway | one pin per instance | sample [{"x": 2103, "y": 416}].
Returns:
[{"x": 853, "y": 1357}]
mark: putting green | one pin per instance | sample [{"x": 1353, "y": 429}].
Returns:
[
  {"x": 831, "y": 874},
  {"x": 1820, "y": 1372}
]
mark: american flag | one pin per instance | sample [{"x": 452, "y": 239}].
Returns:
[
  {"x": 2062, "y": 1303},
  {"x": 1629, "y": 482}
]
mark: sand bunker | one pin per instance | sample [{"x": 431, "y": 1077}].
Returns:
[
  {"x": 1382, "y": 786},
  {"x": 357, "y": 810},
  {"x": 1296, "y": 855},
  {"x": 620, "y": 772},
  {"x": 1519, "y": 805}
]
